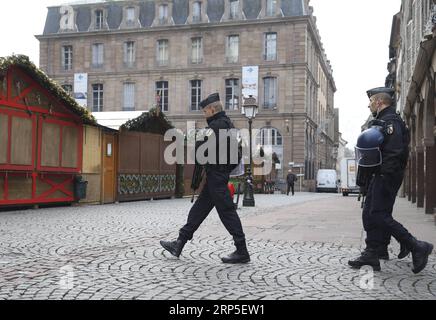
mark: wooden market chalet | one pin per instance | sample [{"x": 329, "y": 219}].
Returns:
[
  {"x": 41, "y": 132},
  {"x": 49, "y": 144}
]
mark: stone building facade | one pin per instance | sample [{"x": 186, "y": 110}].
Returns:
[
  {"x": 174, "y": 53},
  {"x": 412, "y": 73}
]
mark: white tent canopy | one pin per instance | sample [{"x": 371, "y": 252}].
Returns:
[{"x": 115, "y": 120}]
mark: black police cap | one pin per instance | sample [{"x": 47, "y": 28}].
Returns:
[
  {"x": 375, "y": 91},
  {"x": 215, "y": 97}
]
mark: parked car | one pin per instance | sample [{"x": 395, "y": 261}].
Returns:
[{"x": 326, "y": 181}]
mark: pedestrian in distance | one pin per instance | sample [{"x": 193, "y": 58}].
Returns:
[
  {"x": 382, "y": 153},
  {"x": 291, "y": 178},
  {"x": 215, "y": 192}
]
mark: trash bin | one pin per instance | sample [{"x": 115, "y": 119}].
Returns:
[{"x": 80, "y": 187}]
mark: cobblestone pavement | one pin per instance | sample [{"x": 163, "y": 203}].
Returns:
[{"x": 113, "y": 252}]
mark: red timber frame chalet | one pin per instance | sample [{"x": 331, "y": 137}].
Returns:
[{"x": 40, "y": 142}]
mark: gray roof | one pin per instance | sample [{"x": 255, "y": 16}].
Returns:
[
  {"x": 215, "y": 12},
  {"x": 252, "y": 8},
  {"x": 292, "y": 8},
  {"x": 83, "y": 19},
  {"x": 115, "y": 16},
  {"x": 147, "y": 13},
  {"x": 52, "y": 21},
  {"x": 180, "y": 11}
]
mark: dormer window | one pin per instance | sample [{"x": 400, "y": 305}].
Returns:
[
  {"x": 130, "y": 16},
  {"x": 163, "y": 13},
  {"x": 196, "y": 12},
  {"x": 99, "y": 19},
  {"x": 271, "y": 8},
  {"x": 234, "y": 9}
]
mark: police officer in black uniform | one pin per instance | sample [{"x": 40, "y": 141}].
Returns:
[
  {"x": 382, "y": 250},
  {"x": 384, "y": 184},
  {"x": 215, "y": 193}
]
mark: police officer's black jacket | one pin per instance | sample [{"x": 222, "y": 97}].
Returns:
[
  {"x": 394, "y": 149},
  {"x": 217, "y": 122}
]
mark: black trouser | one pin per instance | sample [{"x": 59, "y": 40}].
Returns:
[
  {"x": 215, "y": 194},
  {"x": 290, "y": 186},
  {"x": 377, "y": 213}
]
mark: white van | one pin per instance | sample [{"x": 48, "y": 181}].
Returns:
[
  {"x": 326, "y": 181},
  {"x": 348, "y": 177}
]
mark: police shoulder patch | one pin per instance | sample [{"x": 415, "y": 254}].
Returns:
[{"x": 390, "y": 129}]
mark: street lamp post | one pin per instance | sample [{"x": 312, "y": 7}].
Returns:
[{"x": 250, "y": 111}]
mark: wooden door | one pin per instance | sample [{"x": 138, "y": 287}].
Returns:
[{"x": 109, "y": 165}]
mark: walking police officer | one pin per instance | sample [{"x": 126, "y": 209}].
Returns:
[
  {"x": 384, "y": 146},
  {"x": 215, "y": 193},
  {"x": 382, "y": 250}
]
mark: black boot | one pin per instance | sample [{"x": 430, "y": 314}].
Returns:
[
  {"x": 420, "y": 252},
  {"x": 369, "y": 257},
  {"x": 382, "y": 253},
  {"x": 173, "y": 247},
  {"x": 241, "y": 255},
  {"x": 404, "y": 251}
]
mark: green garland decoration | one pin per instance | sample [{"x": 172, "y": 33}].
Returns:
[{"x": 153, "y": 121}]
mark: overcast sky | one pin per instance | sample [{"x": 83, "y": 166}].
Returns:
[{"x": 355, "y": 35}]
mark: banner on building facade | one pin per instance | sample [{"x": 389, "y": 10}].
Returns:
[
  {"x": 250, "y": 82},
  {"x": 81, "y": 89}
]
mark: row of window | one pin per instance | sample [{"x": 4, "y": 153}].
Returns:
[
  {"x": 197, "y": 12},
  {"x": 162, "y": 51},
  {"x": 232, "y": 95}
]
